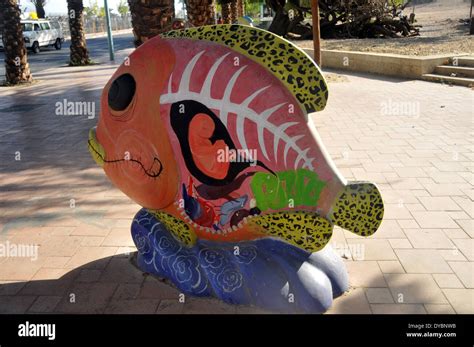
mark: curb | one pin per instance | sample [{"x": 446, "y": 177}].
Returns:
[{"x": 396, "y": 65}]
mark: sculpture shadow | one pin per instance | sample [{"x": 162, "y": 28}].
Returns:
[{"x": 115, "y": 285}]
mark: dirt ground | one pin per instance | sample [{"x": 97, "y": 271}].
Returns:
[{"x": 442, "y": 32}]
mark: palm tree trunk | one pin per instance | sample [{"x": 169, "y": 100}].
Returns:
[
  {"x": 150, "y": 18},
  {"x": 39, "y": 5},
  {"x": 201, "y": 12},
  {"x": 17, "y": 69},
  {"x": 233, "y": 11},
  {"x": 226, "y": 18},
  {"x": 240, "y": 8},
  {"x": 79, "y": 53}
]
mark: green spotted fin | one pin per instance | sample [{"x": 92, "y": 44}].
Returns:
[
  {"x": 358, "y": 208},
  {"x": 303, "y": 229},
  {"x": 180, "y": 230}
]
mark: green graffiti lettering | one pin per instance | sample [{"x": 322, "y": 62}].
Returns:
[{"x": 302, "y": 186}]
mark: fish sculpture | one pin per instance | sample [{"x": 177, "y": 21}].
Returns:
[{"x": 207, "y": 128}]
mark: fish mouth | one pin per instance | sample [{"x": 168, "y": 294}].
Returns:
[
  {"x": 95, "y": 148},
  {"x": 221, "y": 231},
  {"x": 98, "y": 154}
]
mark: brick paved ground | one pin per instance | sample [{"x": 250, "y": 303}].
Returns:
[{"x": 420, "y": 261}]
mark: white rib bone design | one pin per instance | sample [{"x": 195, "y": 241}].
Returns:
[{"x": 242, "y": 111}]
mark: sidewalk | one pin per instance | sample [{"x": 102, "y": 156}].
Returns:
[{"x": 413, "y": 138}]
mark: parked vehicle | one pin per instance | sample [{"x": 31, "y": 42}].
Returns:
[{"x": 41, "y": 33}]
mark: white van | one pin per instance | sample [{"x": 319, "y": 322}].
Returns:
[{"x": 41, "y": 33}]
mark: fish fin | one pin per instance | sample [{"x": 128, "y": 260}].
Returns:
[
  {"x": 303, "y": 229},
  {"x": 358, "y": 208},
  {"x": 297, "y": 71},
  {"x": 178, "y": 228}
]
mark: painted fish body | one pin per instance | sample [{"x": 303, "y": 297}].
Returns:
[{"x": 208, "y": 129}]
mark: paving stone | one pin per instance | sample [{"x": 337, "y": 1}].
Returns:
[
  {"x": 95, "y": 257},
  {"x": 373, "y": 249},
  {"x": 61, "y": 246},
  {"x": 434, "y": 220},
  {"x": 389, "y": 229},
  {"x": 169, "y": 306},
  {"x": 153, "y": 288},
  {"x": 121, "y": 270},
  {"x": 466, "y": 246},
  {"x": 379, "y": 295},
  {"x": 120, "y": 237},
  {"x": 466, "y": 204},
  {"x": 439, "y": 309},
  {"x": 462, "y": 300},
  {"x": 18, "y": 269},
  {"x": 365, "y": 274},
  {"x": 465, "y": 272},
  {"x": 89, "y": 275},
  {"x": 137, "y": 306},
  {"x": 354, "y": 302},
  {"x": 44, "y": 304},
  {"x": 408, "y": 224},
  {"x": 414, "y": 289},
  {"x": 18, "y": 304},
  {"x": 436, "y": 189},
  {"x": 400, "y": 243},
  {"x": 91, "y": 230},
  {"x": 391, "y": 266},
  {"x": 452, "y": 254},
  {"x": 422, "y": 261},
  {"x": 429, "y": 238},
  {"x": 55, "y": 262},
  {"x": 447, "y": 281},
  {"x": 11, "y": 287},
  {"x": 86, "y": 298},
  {"x": 126, "y": 291},
  {"x": 92, "y": 240},
  {"x": 250, "y": 310},
  {"x": 439, "y": 204},
  {"x": 455, "y": 234},
  {"x": 467, "y": 225},
  {"x": 397, "y": 309},
  {"x": 206, "y": 306}
]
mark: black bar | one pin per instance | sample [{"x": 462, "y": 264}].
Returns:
[{"x": 318, "y": 330}]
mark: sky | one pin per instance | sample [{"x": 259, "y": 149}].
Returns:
[{"x": 60, "y": 6}]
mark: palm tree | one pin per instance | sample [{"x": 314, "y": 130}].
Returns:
[
  {"x": 234, "y": 12},
  {"x": 201, "y": 12},
  {"x": 17, "y": 69},
  {"x": 226, "y": 17},
  {"x": 79, "y": 53},
  {"x": 150, "y": 18},
  {"x": 39, "y": 5},
  {"x": 240, "y": 8}
]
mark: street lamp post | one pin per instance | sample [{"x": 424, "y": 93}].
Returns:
[
  {"x": 471, "y": 30},
  {"x": 316, "y": 33},
  {"x": 109, "y": 31}
]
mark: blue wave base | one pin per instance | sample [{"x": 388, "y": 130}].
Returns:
[{"x": 267, "y": 273}]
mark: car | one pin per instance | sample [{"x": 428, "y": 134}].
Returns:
[{"x": 41, "y": 33}]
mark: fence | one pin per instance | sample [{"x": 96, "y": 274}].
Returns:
[{"x": 95, "y": 24}]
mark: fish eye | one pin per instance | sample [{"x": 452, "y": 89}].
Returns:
[{"x": 121, "y": 92}]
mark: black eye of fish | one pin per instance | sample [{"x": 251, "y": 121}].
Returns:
[{"x": 121, "y": 92}]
